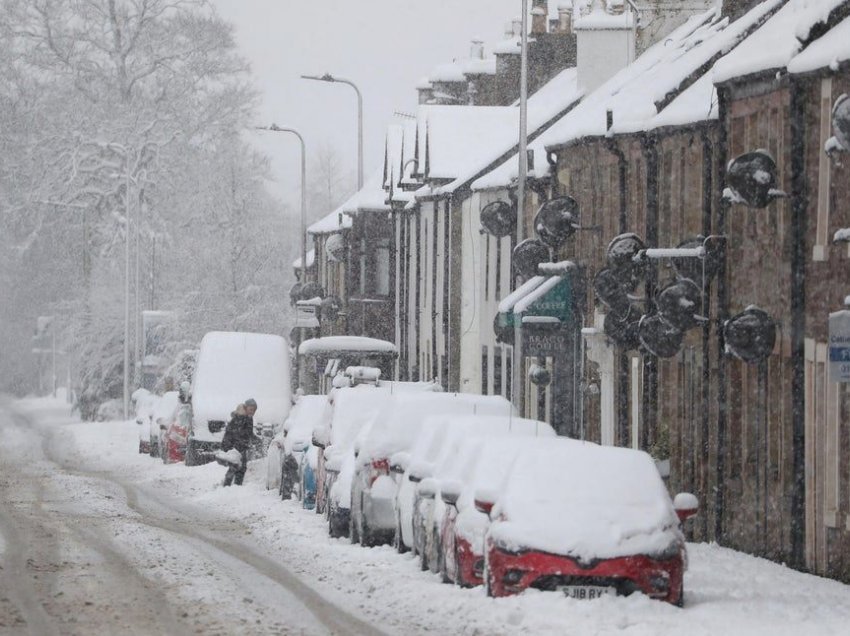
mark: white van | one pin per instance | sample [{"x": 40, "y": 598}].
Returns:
[{"x": 232, "y": 367}]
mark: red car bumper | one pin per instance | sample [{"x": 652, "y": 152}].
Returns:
[
  {"x": 470, "y": 566},
  {"x": 513, "y": 572},
  {"x": 175, "y": 445}
]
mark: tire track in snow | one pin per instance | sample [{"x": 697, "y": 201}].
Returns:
[{"x": 173, "y": 519}]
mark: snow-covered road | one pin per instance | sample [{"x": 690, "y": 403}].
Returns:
[
  {"x": 88, "y": 551},
  {"x": 159, "y": 549}
]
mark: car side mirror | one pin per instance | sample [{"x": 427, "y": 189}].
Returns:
[
  {"x": 484, "y": 501},
  {"x": 299, "y": 447},
  {"x": 686, "y": 506},
  {"x": 420, "y": 471},
  {"x": 399, "y": 462},
  {"x": 321, "y": 437},
  {"x": 427, "y": 488},
  {"x": 450, "y": 492}
]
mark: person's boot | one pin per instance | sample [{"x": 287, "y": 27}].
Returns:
[{"x": 228, "y": 478}]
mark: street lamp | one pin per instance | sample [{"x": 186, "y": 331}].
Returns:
[
  {"x": 516, "y": 391},
  {"x": 276, "y": 128},
  {"x": 327, "y": 77}
]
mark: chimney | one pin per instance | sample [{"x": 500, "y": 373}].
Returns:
[
  {"x": 476, "y": 49},
  {"x": 606, "y": 43},
  {"x": 516, "y": 26},
  {"x": 539, "y": 17},
  {"x": 565, "y": 18}
]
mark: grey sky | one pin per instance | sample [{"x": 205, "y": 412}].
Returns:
[{"x": 384, "y": 46}]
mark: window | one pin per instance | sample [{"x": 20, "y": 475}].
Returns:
[
  {"x": 497, "y": 371},
  {"x": 382, "y": 268},
  {"x": 821, "y": 248}
]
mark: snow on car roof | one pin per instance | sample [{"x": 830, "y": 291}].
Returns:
[
  {"x": 333, "y": 344},
  {"x": 234, "y": 366},
  {"x": 398, "y": 423},
  {"x": 584, "y": 500},
  {"x": 776, "y": 42},
  {"x": 166, "y": 405},
  {"x": 355, "y": 407},
  {"x": 307, "y": 413}
]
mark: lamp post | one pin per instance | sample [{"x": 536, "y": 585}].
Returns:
[
  {"x": 327, "y": 77},
  {"x": 285, "y": 129},
  {"x": 516, "y": 392}
]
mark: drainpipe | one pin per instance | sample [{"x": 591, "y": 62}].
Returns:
[
  {"x": 707, "y": 198},
  {"x": 722, "y": 316},
  {"x": 650, "y": 362},
  {"x": 622, "y": 357},
  {"x": 799, "y": 227}
]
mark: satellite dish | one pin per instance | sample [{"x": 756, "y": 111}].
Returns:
[
  {"x": 623, "y": 331},
  {"x": 335, "y": 248},
  {"x": 498, "y": 218},
  {"x": 611, "y": 292},
  {"x": 312, "y": 290},
  {"x": 295, "y": 293},
  {"x": 841, "y": 121},
  {"x": 750, "y": 335},
  {"x": 504, "y": 332},
  {"x": 621, "y": 253},
  {"x": 556, "y": 221},
  {"x": 330, "y": 308},
  {"x": 659, "y": 338},
  {"x": 678, "y": 304},
  {"x": 752, "y": 177},
  {"x": 528, "y": 255},
  {"x": 692, "y": 268},
  {"x": 539, "y": 375}
]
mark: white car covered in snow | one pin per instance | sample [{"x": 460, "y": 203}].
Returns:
[
  {"x": 144, "y": 402},
  {"x": 292, "y": 441},
  {"x": 396, "y": 427},
  {"x": 428, "y": 509},
  {"x": 232, "y": 367}
]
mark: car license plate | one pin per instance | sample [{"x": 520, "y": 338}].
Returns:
[{"x": 586, "y": 592}]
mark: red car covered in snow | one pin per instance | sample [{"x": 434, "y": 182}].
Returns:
[
  {"x": 587, "y": 521},
  {"x": 176, "y": 434}
]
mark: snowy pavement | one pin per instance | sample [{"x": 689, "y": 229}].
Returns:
[{"x": 192, "y": 539}]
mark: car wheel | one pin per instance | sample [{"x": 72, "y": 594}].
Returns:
[
  {"x": 154, "y": 447},
  {"x": 191, "y": 458},
  {"x": 680, "y": 602},
  {"x": 398, "y": 538}
]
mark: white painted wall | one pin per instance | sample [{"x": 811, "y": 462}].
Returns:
[{"x": 471, "y": 296}]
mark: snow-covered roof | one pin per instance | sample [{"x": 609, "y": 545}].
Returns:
[
  {"x": 337, "y": 344},
  {"x": 508, "y": 46},
  {"x": 828, "y": 51},
  {"x": 616, "y": 503},
  {"x": 448, "y": 72},
  {"x": 777, "y": 41},
  {"x": 634, "y": 94},
  {"x": 311, "y": 260},
  {"x": 697, "y": 103},
  {"x": 334, "y": 222},
  {"x": 552, "y": 99},
  {"x": 453, "y": 137},
  {"x": 474, "y": 66},
  {"x": 370, "y": 198}
]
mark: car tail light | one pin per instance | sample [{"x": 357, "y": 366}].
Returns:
[
  {"x": 478, "y": 568},
  {"x": 379, "y": 467},
  {"x": 660, "y": 582},
  {"x": 512, "y": 577}
]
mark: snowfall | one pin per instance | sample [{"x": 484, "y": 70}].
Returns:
[{"x": 726, "y": 592}]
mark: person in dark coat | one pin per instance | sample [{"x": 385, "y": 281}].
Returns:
[{"x": 239, "y": 434}]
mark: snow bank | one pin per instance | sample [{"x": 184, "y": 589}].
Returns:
[{"x": 587, "y": 501}]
